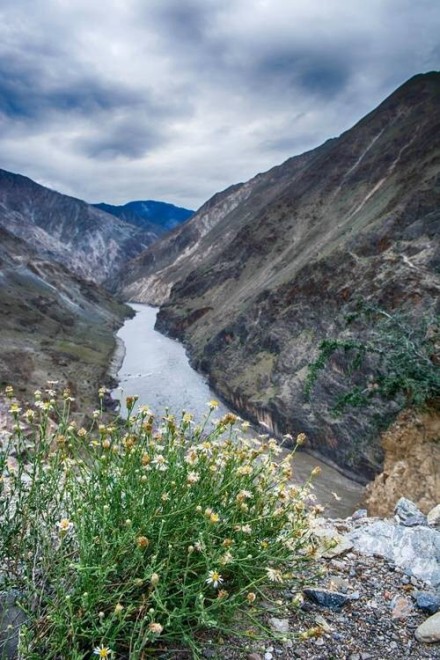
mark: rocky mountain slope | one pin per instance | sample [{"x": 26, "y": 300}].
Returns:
[
  {"x": 54, "y": 325},
  {"x": 267, "y": 269},
  {"x": 157, "y": 217},
  {"x": 89, "y": 242}
]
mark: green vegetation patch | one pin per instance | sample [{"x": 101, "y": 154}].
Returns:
[{"x": 141, "y": 533}]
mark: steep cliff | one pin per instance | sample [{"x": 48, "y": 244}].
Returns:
[{"x": 269, "y": 268}]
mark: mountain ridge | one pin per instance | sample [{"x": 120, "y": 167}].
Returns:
[{"x": 274, "y": 265}]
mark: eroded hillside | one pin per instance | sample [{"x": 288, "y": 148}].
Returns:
[{"x": 269, "y": 268}]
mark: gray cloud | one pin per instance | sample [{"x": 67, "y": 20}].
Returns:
[{"x": 177, "y": 99}]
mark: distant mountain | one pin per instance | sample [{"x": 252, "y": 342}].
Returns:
[
  {"x": 267, "y": 269},
  {"x": 88, "y": 241},
  {"x": 53, "y": 324},
  {"x": 158, "y": 217}
]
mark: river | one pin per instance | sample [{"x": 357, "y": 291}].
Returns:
[{"x": 156, "y": 368}]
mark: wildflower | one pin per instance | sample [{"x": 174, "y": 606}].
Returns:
[
  {"x": 246, "y": 529},
  {"x": 227, "y": 543},
  {"x": 222, "y": 594},
  {"x": 274, "y": 575},
  {"x": 316, "y": 470},
  {"x": 64, "y": 525},
  {"x": 214, "y": 578},
  {"x": 165, "y": 497},
  {"x": 301, "y": 438},
  {"x": 102, "y": 392},
  {"x": 192, "y": 478},
  {"x": 154, "y": 580},
  {"x": 106, "y": 444},
  {"x": 142, "y": 542},
  {"x": 9, "y": 391},
  {"x": 251, "y": 597},
  {"x": 229, "y": 418},
  {"x": 243, "y": 495},
  {"x": 130, "y": 401},
  {"x": 146, "y": 459},
  {"x": 160, "y": 462},
  {"x": 244, "y": 470},
  {"x": 227, "y": 558},
  {"x": 245, "y": 426},
  {"x": 96, "y": 414},
  {"x": 191, "y": 457},
  {"x": 14, "y": 409},
  {"x": 102, "y": 651},
  {"x": 118, "y": 608},
  {"x": 155, "y": 628},
  {"x": 29, "y": 415},
  {"x": 187, "y": 418},
  {"x": 213, "y": 404},
  {"x": 214, "y": 517}
]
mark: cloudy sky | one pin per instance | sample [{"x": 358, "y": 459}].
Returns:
[{"x": 175, "y": 100}]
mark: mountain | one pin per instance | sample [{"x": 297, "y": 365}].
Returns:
[
  {"x": 267, "y": 269},
  {"x": 54, "y": 325},
  {"x": 158, "y": 217},
  {"x": 89, "y": 242}
]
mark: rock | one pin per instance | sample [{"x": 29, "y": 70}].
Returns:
[
  {"x": 411, "y": 461},
  {"x": 401, "y": 607},
  {"x": 360, "y": 513},
  {"x": 339, "y": 584},
  {"x": 416, "y": 550},
  {"x": 254, "y": 656},
  {"x": 433, "y": 517},
  {"x": 268, "y": 656},
  {"x": 428, "y": 602},
  {"x": 331, "y": 543},
  {"x": 279, "y": 625},
  {"x": 322, "y": 623},
  {"x": 11, "y": 618},
  {"x": 408, "y": 514},
  {"x": 326, "y": 598},
  {"x": 429, "y": 630}
]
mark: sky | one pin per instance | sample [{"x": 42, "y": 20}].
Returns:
[{"x": 175, "y": 100}]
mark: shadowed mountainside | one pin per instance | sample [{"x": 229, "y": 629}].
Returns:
[{"x": 267, "y": 269}]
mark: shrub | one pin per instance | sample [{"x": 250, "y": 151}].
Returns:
[
  {"x": 138, "y": 532},
  {"x": 391, "y": 356}
]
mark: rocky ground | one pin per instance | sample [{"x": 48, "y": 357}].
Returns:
[{"x": 362, "y": 606}]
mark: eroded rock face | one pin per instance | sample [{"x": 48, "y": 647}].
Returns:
[{"x": 411, "y": 465}]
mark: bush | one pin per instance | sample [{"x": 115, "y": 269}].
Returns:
[
  {"x": 391, "y": 356},
  {"x": 138, "y": 532}
]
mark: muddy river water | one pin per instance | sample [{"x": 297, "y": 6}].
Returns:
[{"x": 156, "y": 368}]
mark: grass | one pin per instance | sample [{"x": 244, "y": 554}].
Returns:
[{"x": 141, "y": 534}]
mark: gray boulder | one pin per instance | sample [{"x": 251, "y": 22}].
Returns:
[{"x": 416, "y": 550}]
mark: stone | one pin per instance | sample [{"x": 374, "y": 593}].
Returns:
[
  {"x": 429, "y": 630},
  {"x": 322, "y": 623},
  {"x": 433, "y": 517},
  {"x": 401, "y": 607},
  {"x": 360, "y": 513},
  {"x": 11, "y": 618},
  {"x": 416, "y": 550},
  {"x": 279, "y": 625},
  {"x": 408, "y": 514},
  {"x": 428, "y": 602},
  {"x": 254, "y": 656},
  {"x": 268, "y": 656},
  {"x": 338, "y": 584},
  {"x": 326, "y": 598}
]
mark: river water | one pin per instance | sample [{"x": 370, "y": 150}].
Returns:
[{"x": 156, "y": 368}]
